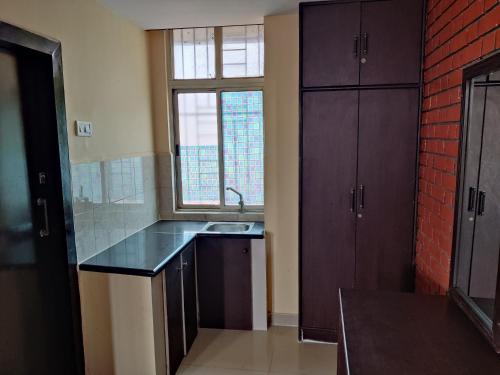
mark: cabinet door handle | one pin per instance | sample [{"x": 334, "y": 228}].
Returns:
[
  {"x": 245, "y": 251},
  {"x": 481, "y": 202},
  {"x": 361, "y": 196},
  {"x": 364, "y": 50},
  {"x": 353, "y": 199},
  {"x": 45, "y": 231},
  {"x": 356, "y": 47},
  {"x": 472, "y": 200}
]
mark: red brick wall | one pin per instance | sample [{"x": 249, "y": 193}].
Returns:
[{"x": 457, "y": 33}]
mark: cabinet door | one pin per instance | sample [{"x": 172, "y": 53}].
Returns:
[
  {"x": 224, "y": 282},
  {"x": 330, "y": 35},
  {"x": 470, "y": 176},
  {"x": 189, "y": 293},
  {"x": 388, "y": 122},
  {"x": 329, "y": 156},
  {"x": 391, "y": 37},
  {"x": 173, "y": 294}
]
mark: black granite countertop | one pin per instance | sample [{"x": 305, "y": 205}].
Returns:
[{"x": 146, "y": 252}]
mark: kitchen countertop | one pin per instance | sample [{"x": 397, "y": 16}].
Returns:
[{"x": 146, "y": 252}]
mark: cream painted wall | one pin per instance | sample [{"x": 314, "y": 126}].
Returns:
[
  {"x": 106, "y": 73},
  {"x": 282, "y": 158}
]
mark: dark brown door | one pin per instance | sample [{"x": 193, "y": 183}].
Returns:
[
  {"x": 388, "y": 121},
  {"x": 39, "y": 318},
  {"x": 224, "y": 282},
  {"x": 329, "y": 152},
  {"x": 189, "y": 293},
  {"x": 173, "y": 294},
  {"x": 485, "y": 253},
  {"x": 391, "y": 34},
  {"x": 330, "y": 34}
]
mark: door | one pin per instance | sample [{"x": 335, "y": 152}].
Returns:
[
  {"x": 36, "y": 314},
  {"x": 388, "y": 122},
  {"x": 189, "y": 295},
  {"x": 224, "y": 282},
  {"x": 329, "y": 157},
  {"x": 330, "y": 44},
  {"x": 175, "y": 323},
  {"x": 485, "y": 253},
  {"x": 391, "y": 34}
]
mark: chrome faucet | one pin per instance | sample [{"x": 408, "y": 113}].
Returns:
[{"x": 241, "y": 202}]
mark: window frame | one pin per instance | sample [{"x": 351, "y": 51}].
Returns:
[{"x": 217, "y": 85}]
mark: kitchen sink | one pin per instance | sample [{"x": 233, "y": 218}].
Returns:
[{"x": 228, "y": 227}]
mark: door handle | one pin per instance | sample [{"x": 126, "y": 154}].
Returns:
[
  {"x": 353, "y": 200},
  {"x": 480, "y": 203},
  {"x": 45, "y": 231},
  {"x": 471, "y": 205},
  {"x": 361, "y": 196},
  {"x": 356, "y": 40},
  {"x": 364, "y": 48}
]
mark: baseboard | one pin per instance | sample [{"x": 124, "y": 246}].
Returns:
[{"x": 285, "y": 320}]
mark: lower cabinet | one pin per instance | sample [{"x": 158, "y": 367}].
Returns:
[
  {"x": 181, "y": 312},
  {"x": 173, "y": 311},
  {"x": 224, "y": 282},
  {"x": 189, "y": 303}
]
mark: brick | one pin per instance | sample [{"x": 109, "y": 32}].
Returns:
[
  {"x": 488, "y": 43},
  {"x": 473, "y": 12},
  {"x": 451, "y": 148},
  {"x": 489, "y": 3},
  {"x": 472, "y": 51},
  {"x": 490, "y": 20}
]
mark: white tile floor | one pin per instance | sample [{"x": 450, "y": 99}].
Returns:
[{"x": 225, "y": 352}]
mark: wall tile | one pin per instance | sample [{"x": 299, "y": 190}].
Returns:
[
  {"x": 112, "y": 200},
  {"x": 84, "y": 235},
  {"x": 81, "y": 187},
  {"x": 114, "y": 179},
  {"x": 128, "y": 179}
]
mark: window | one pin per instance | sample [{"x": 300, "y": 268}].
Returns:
[
  {"x": 243, "y": 51},
  {"x": 194, "y": 53},
  {"x": 218, "y": 122}
]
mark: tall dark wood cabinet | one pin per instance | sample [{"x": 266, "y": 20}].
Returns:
[{"x": 360, "y": 100}]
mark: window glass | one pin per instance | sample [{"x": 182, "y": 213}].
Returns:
[
  {"x": 194, "y": 53},
  {"x": 243, "y": 51},
  {"x": 198, "y": 148},
  {"x": 243, "y": 138}
]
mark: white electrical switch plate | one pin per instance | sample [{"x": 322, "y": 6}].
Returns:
[{"x": 84, "y": 129}]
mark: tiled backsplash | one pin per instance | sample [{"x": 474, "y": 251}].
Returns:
[{"x": 112, "y": 200}]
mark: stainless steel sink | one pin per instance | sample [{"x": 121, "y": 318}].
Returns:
[{"x": 228, "y": 227}]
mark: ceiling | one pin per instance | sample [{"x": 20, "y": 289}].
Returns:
[{"x": 162, "y": 14}]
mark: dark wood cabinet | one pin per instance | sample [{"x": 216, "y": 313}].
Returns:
[
  {"x": 189, "y": 295},
  {"x": 387, "y": 147},
  {"x": 329, "y": 142},
  {"x": 367, "y": 42},
  {"x": 330, "y": 39},
  {"x": 181, "y": 308},
  {"x": 174, "y": 318},
  {"x": 391, "y": 41},
  {"x": 224, "y": 282},
  {"x": 360, "y": 100}
]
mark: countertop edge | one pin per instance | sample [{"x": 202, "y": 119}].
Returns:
[{"x": 161, "y": 265}]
